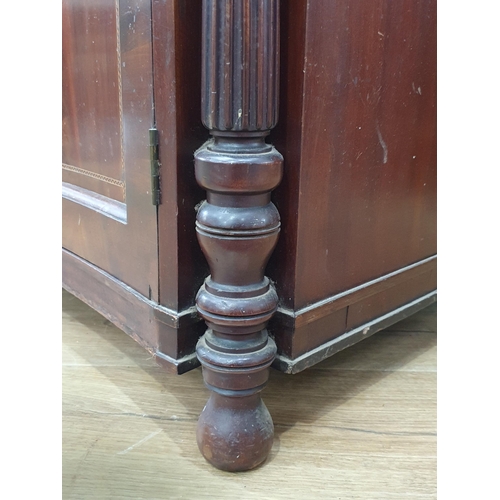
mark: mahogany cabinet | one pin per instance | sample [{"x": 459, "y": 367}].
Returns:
[{"x": 309, "y": 129}]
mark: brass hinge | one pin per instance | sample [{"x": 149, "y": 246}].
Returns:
[{"x": 155, "y": 165}]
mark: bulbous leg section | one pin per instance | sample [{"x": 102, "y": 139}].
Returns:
[{"x": 235, "y": 433}]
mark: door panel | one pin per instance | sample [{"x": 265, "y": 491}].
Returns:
[{"x": 108, "y": 216}]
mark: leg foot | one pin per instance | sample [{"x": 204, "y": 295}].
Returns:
[{"x": 235, "y": 433}]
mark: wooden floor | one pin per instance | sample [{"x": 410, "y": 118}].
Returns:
[{"x": 361, "y": 424}]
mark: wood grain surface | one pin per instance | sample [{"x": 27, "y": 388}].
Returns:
[
  {"x": 360, "y": 425},
  {"x": 357, "y": 130}
]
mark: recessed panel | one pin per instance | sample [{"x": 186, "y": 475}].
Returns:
[{"x": 92, "y": 121}]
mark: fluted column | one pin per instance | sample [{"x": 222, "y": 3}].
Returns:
[{"x": 238, "y": 226}]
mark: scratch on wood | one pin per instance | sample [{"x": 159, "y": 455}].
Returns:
[
  {"x": 147, "y": 438},
  {"x": 382, "y": 143}
]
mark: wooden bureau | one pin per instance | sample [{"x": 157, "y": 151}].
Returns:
[{"x": 327, "y": 108}]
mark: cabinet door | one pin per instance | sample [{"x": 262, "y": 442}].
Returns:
[{"x": 108, "y": 215}]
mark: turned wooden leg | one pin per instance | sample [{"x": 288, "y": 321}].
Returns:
[{"x": 237, "y": 227}]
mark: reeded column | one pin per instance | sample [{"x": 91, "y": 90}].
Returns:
[{"x": 238, "y": 227}]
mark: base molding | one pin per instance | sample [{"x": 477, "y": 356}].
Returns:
[
  {"x": 303, "y": 330},
  {"x": 169, "y": 336},
  {"x": 291, "y": 366}
]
